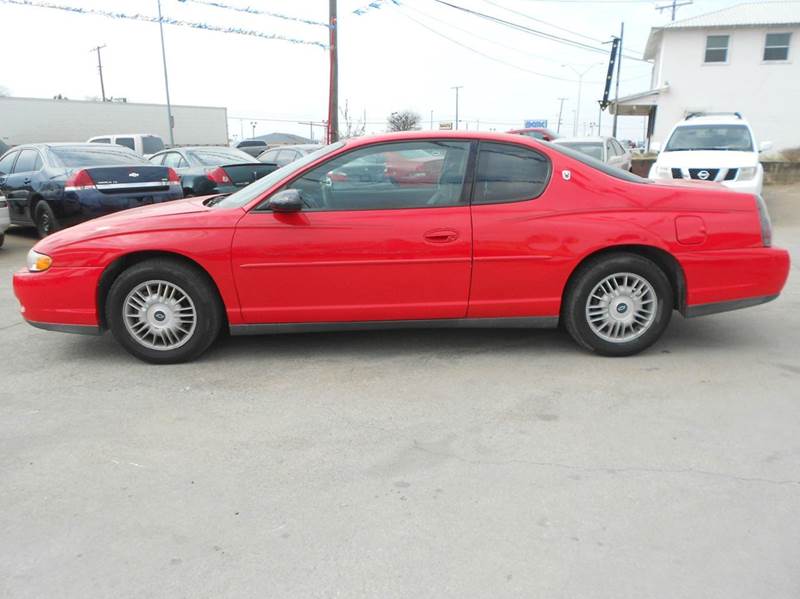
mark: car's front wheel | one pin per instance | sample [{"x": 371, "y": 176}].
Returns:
[
  {"x": 618, "y": 305},
  {"x": 163, "y": 311},
  {"x": 45, "y": 220}
]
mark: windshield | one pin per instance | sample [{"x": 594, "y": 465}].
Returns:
[
  {"x": 151, "y": 144},
  {"x": 94, "y": 155},
  {"x": 251, "y": 192},
  {"x": 710, "y": 137},
  {"x": 219, "y": 156},
  {"x": 590, "y": 148},
  {"x": 613, "y": 171}
]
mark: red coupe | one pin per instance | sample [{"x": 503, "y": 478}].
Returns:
[{"x": 514, "y": 233}]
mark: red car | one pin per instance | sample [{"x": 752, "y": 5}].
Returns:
[
  {"x": 515, "y": 233},
  {"x": 536, "y": 133}
]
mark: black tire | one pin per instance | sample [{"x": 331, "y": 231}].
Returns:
[
  {"x": 591, "y": 274},
  {"x": 191, "y": 281},
  {"x": 44, "y": 219}
]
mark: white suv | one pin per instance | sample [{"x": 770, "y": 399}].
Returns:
[{"x": 712, "y": 147}]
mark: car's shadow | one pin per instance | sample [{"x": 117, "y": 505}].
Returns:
[{"x": 23, "y": 232}]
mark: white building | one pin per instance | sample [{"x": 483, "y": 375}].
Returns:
[{"x": 744, "y": 58}]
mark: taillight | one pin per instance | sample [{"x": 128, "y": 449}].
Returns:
[
  {"x": 172, "y": 176},
  {"x": 766, "y": 224},
  {"x": 79, "y": 180},
  {"x": 218, "y": 175}
]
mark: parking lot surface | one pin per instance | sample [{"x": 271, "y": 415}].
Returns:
[{"x": 499, "y": 463}]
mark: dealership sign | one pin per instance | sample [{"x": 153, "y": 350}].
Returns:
[
  {"x": 536, "y": 124},
  {"x": 445, "y": 125}
]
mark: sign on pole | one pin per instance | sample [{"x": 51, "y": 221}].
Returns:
[{"x": 445, "y": 125}]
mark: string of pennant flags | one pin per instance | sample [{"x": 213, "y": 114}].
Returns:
[
  {"x": 375, "y": 5},
  {"x": 255, "y": 11},
  {"x": 166, "y": 20}
]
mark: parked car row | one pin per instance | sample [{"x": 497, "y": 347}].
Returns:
[{"x": 605, "y": 149}]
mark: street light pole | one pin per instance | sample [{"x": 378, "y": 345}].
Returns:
[
  {"x": 580, "y": 75},
  {"x": 457, "y": 87},
  {"x": 166, "y": 78},
  {"x": 560, "y": 111},
  {"x": 100, "y": 69},
  {"x": 253, "y": 126}
]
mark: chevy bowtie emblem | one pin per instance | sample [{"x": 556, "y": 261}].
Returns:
[
  {"x": 703, "y": 175},
  {"x": 133, "y": 174}
]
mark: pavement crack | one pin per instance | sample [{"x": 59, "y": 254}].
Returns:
[
  {"x": 8, "y": 326},
  {"x": 608, "y": 469}
]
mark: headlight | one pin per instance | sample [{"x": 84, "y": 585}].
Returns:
[
  {"x": 38, "y": 262},
  {"x": 748, "y": 172}
]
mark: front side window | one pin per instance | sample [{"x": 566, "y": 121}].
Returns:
[
  {"x": 776, "y": 46},
  {"x": 27, "y": 161},
  {"x": 126, "y": 142},
  {"x": 717, "y": 48},
  {"x": 416, "y": 174},
  {"x": 173, "y": 160},
  {"x": 508, "y": 173},
  {"x": 710, "y": 137}
]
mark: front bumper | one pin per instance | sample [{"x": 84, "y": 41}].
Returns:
[{"x": 59, "y": 297}]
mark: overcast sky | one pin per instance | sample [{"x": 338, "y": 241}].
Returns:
[{"x": 391, "y": 59}]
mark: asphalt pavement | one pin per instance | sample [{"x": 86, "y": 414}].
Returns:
[{"x": 407, "y": 464}]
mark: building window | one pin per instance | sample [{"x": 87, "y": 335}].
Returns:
[
  {"x": 717, "y": 48},
  {"x": 777, "y": 46}
]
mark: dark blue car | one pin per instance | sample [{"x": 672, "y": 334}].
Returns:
[{"x": 52, "y": 186}]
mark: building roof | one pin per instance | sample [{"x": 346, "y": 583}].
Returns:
[{"x": 749, "y": 14}]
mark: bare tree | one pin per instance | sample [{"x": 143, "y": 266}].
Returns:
[
  {"x": 352, "y": 127},
  {"x": 405, "y": 120}
]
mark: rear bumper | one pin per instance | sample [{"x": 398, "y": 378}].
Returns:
[
  {"x": 719, "y": 281},
  {"x": 59, "y": 297},
  {"x": 80, "y": 329}
]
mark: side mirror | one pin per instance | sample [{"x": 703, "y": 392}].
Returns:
[
  {"x": 764, "y": 146},
  {"x": 288, "y": 200},
  {"x": 655, "y": 147}
]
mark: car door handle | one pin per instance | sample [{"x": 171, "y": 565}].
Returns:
[
  {"x": 441, "y": 236},
  {"x": 26, "y": 181}
]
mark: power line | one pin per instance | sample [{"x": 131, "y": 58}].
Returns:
[
  {"x": 535, "y": 32},
  {"x": 255, "y": 11},
  {"x": 522, "y": 14}
]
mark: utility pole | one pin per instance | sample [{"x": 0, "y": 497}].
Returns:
[
  {"x": 170, "y": 120},
  {"x": 616, "y": 91},
  {"x": 333, "y": 93},
  {"x": 673, "y": 5},
  {"x": 560, "y": 112},
  {"x": 310, "y": 128},
  {"x": 457, "y": 87},
  {"x": 431, "y": 120},
  {"x": 100, "y": 69}
]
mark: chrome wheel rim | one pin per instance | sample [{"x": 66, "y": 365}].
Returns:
[
  {"x": 621, "y": 307},
  {"x": 159, "y": 315}
]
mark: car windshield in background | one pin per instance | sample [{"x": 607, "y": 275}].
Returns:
[
  {"x": 595, "y": 150},
  {"x": 80, "y": 156},
  {"x": 151, "y": 144},
  {"x": 252, "y": 191},
  {"x": 710, "y": 137},
  {"x": 220, "y": 156},
  {"x": 613, "y": 171}
]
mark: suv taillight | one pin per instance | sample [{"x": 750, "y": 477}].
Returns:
[
  {"x": 766, "y": 224},
  {"x": 218, "y": 175},
  {"x": 80, "y": 180}
]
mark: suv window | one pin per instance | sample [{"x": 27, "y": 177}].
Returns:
[
  {"x": 27, "y": 161},
  {"x": 433, "y": 178},
  {"x": 508, "y": 173},
  {"x": 127, "y": 142},
  {"x": 251, "y": 144},
  {"x": 7, "y": 162},
  {"x": 101, "y": 140},
  {"x": 151, "y": 144},
  {"x": 618, "y": 147}
]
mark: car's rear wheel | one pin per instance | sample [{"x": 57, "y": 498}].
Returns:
[
  {"x": 45, "y": 220},
  {"x": 618, "y": 305},
  {"x": 163, "y": 311}
]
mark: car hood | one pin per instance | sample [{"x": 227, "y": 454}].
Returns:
[
  {"x": 707, "y": 159},
  {"x": 155, "y": 216}
]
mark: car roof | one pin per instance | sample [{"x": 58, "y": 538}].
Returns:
[
  {"x": 714, "y": 119},
  {"x": 297, "y": 147},
  {"x": 124, "y": 135},
  {"x": 586, "y": 139},
  {"x": 444, "y": 135}
]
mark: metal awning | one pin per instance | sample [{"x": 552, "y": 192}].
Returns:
[{"x": 637, "y": 104}]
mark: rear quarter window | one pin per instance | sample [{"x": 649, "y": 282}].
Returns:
[
  {"x": 508, "y": 173},
  {"x": 126, "y": 142},
  {"x": 151, "y": 144}
]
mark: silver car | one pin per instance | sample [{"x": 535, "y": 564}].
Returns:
[
  {"x": 604, "y": 149},
  {"x": 5, "y": 219}
]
